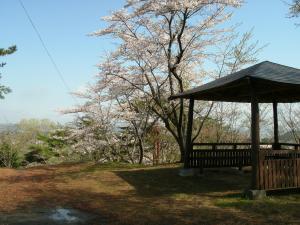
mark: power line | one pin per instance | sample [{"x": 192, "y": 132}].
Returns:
[{"x": 47, "y": 51}]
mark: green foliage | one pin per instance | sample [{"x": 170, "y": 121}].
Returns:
[
  {"x": 4, "y": 90},
  {"x": 39, "y": 153},
  {"x": 37, "y": 141},
  {"x": 29, "y": 130},
  {"x": 49, "y": 145},
  {"x": 54, "y": 140},
  {"x": 295, "y": 8},
  {"x": 9, "y": 156},
  {"x": 8, "y": 51},
  {"x": 3, "y": 52}
]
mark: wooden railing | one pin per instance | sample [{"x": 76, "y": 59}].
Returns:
[
  {"x": 279, "y": 169},
  {"x": 243, "y": 145},
  {"x": 220, "y": 158},
  {"x": 210, "y": 155},
  {"x": 215, "y": 146}
]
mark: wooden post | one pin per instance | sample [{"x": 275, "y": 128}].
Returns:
[
  {"x": 276, "y": 136},
  {"x": 189, "y": 144},
  {"x": 255, "y": 142}
]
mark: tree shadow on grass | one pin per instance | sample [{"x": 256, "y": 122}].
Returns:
[
  {"x": 166, "y": 181},
  {"x": 127, "y": 209},
  {"x": 141, "y": 196},
  {"x": 225, "y": 190}
]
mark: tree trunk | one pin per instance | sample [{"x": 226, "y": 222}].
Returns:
[
  {"x": 182, "y": 150},
  {"x": 141, "y": 147}
]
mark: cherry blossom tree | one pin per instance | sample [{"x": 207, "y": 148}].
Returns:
[
  {"x": 164, "y": 48},
  {"x": 93, "y": 130},
  {"x": 138, "y": 118},
  {"x": 113, "y": 118}
]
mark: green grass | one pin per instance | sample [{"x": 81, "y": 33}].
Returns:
[
  {"x": 285, "y": 207},
  {"x": 112, "y": 166}
]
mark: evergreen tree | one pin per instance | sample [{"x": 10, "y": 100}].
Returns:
[
  {"x": 3, "y": 52},
  {"x": 295, "y": 8}
]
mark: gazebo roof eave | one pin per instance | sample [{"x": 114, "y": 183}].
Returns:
[{"x": 244, "y": 87}]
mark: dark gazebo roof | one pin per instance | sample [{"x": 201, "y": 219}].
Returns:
[{"x": 268, "y": 81}]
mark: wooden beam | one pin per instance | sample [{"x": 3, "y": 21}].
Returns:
[
  {"x": 276, "y": 136},
  {"x": 255, "y": 143},
  {"x": 189, "y": 144}
]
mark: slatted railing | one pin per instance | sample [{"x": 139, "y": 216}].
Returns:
[
  {"x": 209, "y": 155},
  {"x": 215, "y": 146},
  {"x": 279, "y": 169},
  {"x": 243, "y": 145},
  {"x": 220, "y": 158}
]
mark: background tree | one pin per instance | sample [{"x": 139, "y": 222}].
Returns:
[
  {"x": 9, "y": 154},
  {"x": 30, "y": 129},
  {"x": 237, "y": 52},
  {"x": 32, "y": 141},
  {"x": 290, "y": 113},
  {"x": 3, "y": 52},
  {"x": 290, "y": 119}
]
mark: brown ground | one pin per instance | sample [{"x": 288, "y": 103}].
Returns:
[{"x": 157, "y": 195}]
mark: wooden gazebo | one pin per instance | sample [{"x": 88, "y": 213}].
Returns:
[{"x": 274, "y": 166}]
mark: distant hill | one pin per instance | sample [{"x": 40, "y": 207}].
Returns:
[{"x": 8, "y": 127}]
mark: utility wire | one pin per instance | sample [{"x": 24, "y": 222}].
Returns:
[{"x": 47, "y": 51}]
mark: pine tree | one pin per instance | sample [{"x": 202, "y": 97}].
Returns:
[
  {"x": 3, "y": 52},
  {"x": 295, "y": 8}
]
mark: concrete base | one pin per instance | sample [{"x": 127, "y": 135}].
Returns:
[
  {"x": 255, "y": 194},
  {"x": 190, "y": 172},
  {"x": 247, "y": 169}
]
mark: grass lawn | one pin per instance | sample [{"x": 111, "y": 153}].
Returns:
[{"x": 123, "y": 194}]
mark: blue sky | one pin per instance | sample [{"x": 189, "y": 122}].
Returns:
[{"x": 64, "y": 24}]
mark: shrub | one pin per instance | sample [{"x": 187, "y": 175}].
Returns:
[
  {"x": 39, "y": 154},
  {"x": 9, "y": 156}
]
